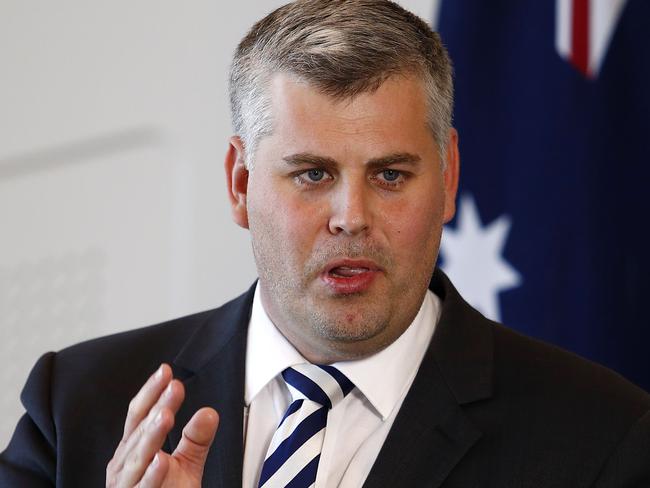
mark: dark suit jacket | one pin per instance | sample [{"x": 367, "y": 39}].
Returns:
[{"x": 488, "y": 408}]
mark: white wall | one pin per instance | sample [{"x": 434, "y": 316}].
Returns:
[{"x": 113, "y": 213}]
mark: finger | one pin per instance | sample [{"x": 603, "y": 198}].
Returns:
[
  {"x": 131, "y": 460},
  {"x": 155, "y": 474},
  {"x": 139, "y": 408},
  {"x": 198, "y": 434},
  {"x": 171, "y": 399},
  {"x": 146, "y": 398},
  {"x": 147, "y": 439}
]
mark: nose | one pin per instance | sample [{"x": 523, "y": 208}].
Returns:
[{"x": 351, "y": 212}]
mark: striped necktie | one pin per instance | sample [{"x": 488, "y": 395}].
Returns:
[{"x": 292, "y": 458}]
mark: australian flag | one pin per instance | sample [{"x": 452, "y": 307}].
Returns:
[{"x": 552, "y": 231}]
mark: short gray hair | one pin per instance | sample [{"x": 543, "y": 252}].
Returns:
[{"x": 342, "y": 48}]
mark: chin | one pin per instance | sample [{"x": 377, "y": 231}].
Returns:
[{"x": 350, "y": 326}]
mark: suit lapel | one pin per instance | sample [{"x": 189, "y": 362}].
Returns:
[
  {"x": 212, "y": 367},
  {"x": 431, "y": 433}
]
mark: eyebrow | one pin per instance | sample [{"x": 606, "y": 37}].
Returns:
[{"x": 316, "y": 160}]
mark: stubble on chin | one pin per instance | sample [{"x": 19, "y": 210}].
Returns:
[{"x": 292, "y": 300}]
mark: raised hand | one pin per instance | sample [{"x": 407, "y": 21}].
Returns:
[{"x": 138, "y": 460}]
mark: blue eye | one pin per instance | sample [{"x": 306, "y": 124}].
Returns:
[
  {"x": 315, "y": 174},
  {"x": 390, "y": 174}
]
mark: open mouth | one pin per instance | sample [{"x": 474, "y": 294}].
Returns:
[
  {"x": 347, "y": 271},
  {"x": 350, "y": 276}
]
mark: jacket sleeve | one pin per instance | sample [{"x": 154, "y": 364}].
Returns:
[
  {"x": 30, "y": 457},
  {"x": 629, "y": 465}
]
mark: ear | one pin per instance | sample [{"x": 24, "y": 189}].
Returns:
[
  {"x": 450, "y": 175},
  {"x": 237, "y": 181}
]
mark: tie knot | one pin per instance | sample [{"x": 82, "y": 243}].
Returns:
[{"x": 322, "y": 384}]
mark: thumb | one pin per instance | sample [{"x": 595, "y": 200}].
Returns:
[{"x": 198, "y": 434}]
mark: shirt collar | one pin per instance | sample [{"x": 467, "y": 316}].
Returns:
[
  {"x": 268, "y": 352},
  {"x": 383, "y": 378}
]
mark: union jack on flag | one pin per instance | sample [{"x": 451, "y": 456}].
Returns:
[{"x": 583, "y": 31}]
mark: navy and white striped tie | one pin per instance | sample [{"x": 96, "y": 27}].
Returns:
[{"x": 292, "y": 458}]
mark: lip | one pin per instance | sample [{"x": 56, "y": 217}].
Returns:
[{"x": 357, "y": 283}]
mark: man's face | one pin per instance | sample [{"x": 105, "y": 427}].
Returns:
[{"x": 345, "y": 204}]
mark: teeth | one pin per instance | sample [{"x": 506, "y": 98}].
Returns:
[{"x": 348, "y": 272}]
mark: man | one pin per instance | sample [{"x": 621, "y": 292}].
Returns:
[{"x": 344, "y": 168}]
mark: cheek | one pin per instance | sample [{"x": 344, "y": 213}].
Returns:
[
  {"x": 289, "y": 222},
  {"x": 298, "y": 224},
  {"x": 415, "y": 229}
]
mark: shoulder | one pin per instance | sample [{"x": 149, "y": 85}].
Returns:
[
  {"x": 76, "y": 399},
  {"x": 530, "y": 368},
  {"x": 523, "y": 370},
  {"x": 567, "y": 411},
  {"x": 539, "y": 406},
  {"x": 112, "y": 368}
]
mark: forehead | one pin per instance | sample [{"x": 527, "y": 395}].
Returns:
[{"x": 393, "y": 118}]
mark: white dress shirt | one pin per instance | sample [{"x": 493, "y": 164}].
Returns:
[{"x": 358, "y": 425}]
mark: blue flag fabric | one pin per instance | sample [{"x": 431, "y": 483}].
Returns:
[{"x": 551, "y": 231}]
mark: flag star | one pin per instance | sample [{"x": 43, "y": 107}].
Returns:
[{"x": 473, "y": 260}]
